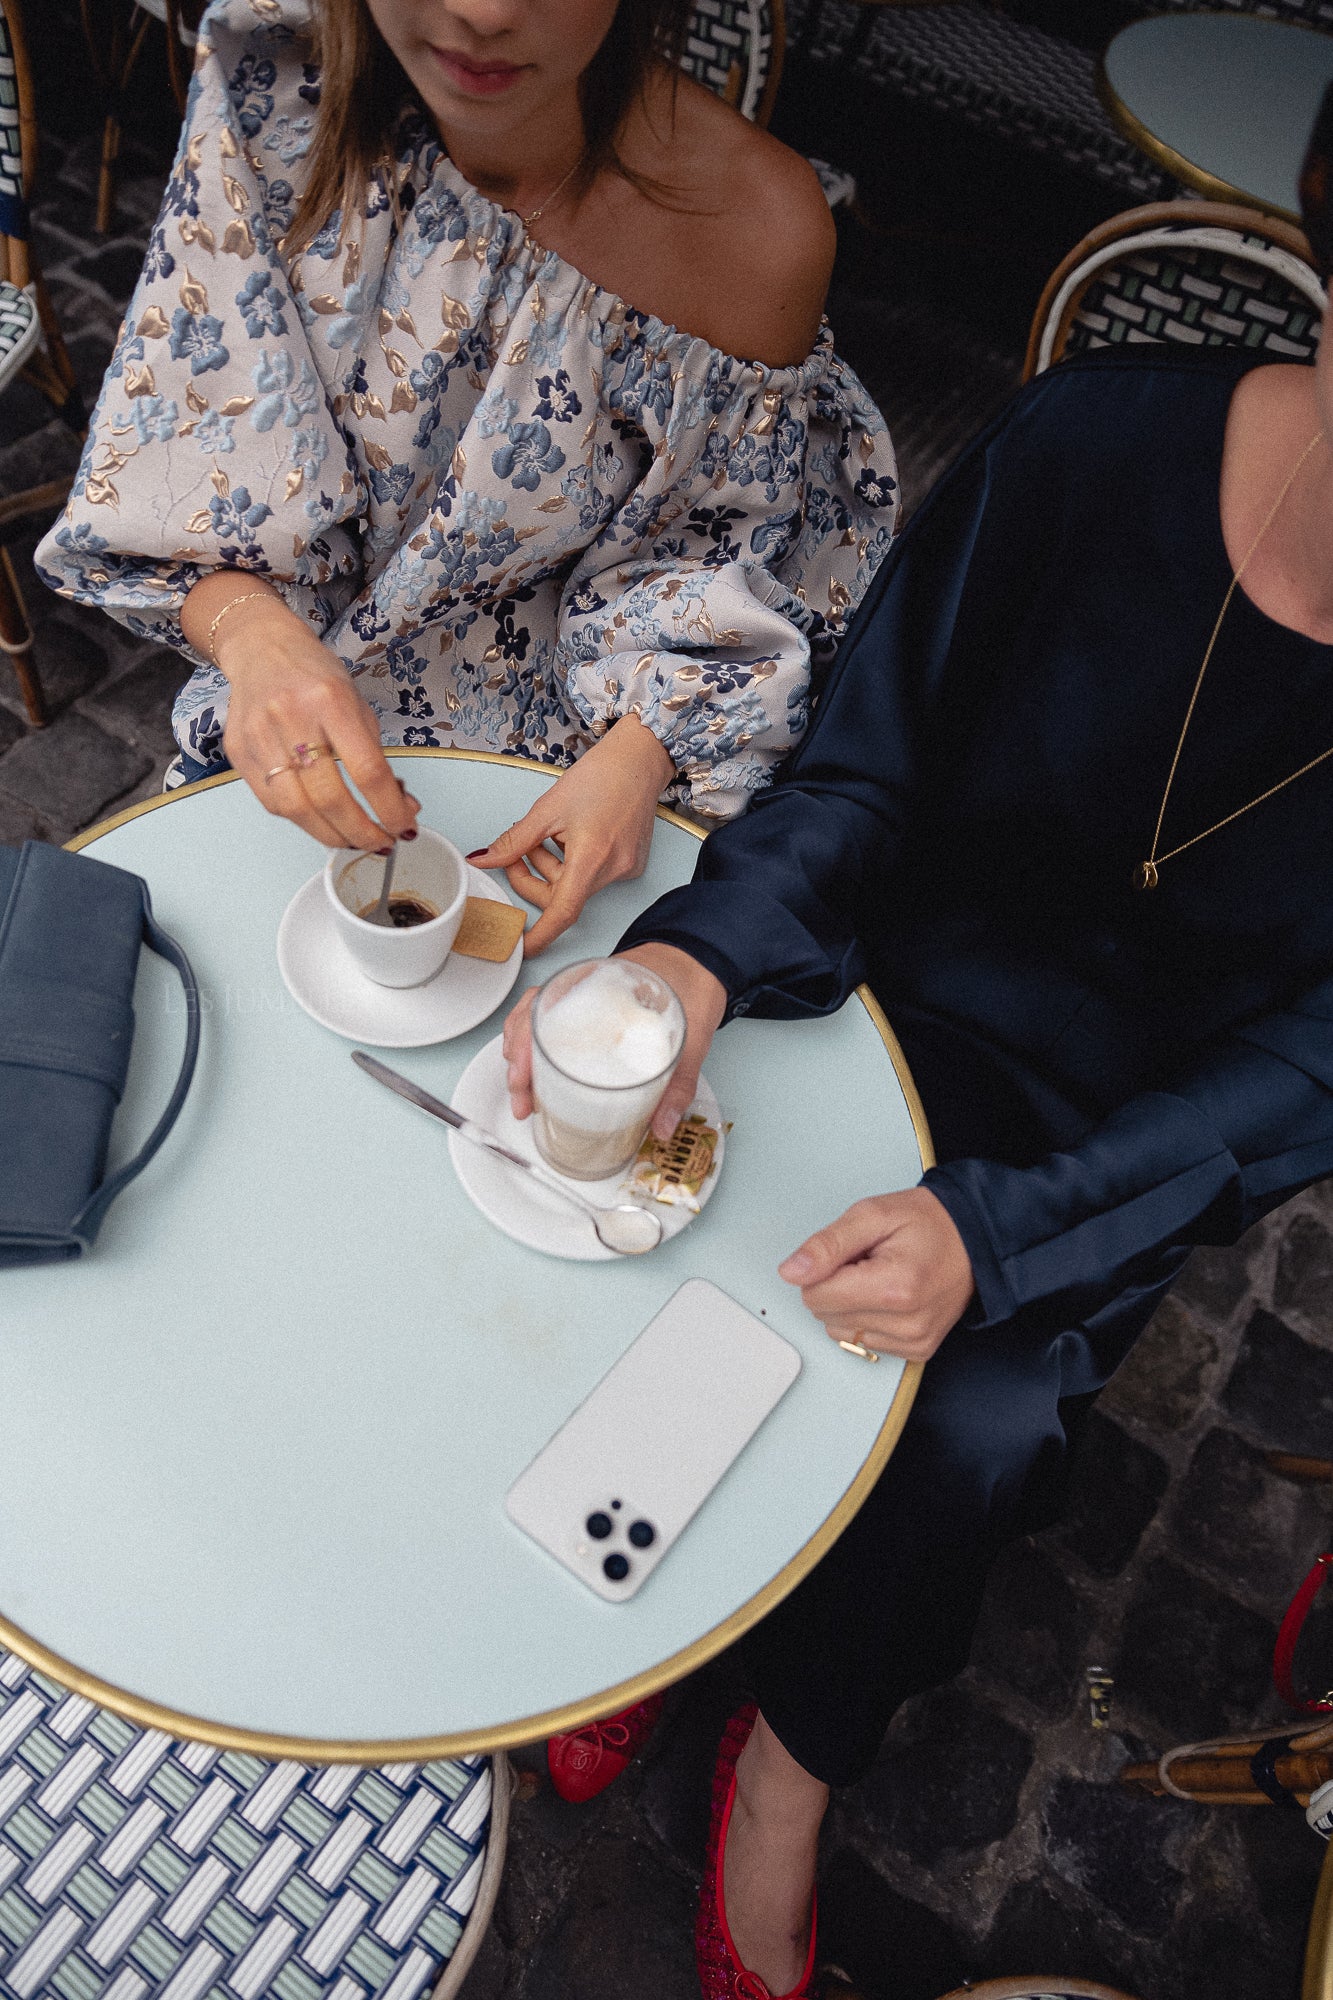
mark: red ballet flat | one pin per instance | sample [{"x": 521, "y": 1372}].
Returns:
[
  {"x": 587, "y": 1760},
  {"x": 721, "y": 1974}
]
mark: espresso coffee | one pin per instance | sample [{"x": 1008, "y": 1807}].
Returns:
[{"x": 404, "y": 911}]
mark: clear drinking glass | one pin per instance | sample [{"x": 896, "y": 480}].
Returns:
[{"x": 606, "y": 1035}]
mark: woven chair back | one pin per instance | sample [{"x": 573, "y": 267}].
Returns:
[
  {"x": 133, "y": 1863},
  {"x": 1196, "y": 273},
  {"x": 13, "y": 209},
  {"x": 734, "y": 48}
]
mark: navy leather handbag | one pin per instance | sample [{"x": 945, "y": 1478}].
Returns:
[{"x": 70, "y": 933}]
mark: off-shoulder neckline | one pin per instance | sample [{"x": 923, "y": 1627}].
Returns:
[{"x": 433, "y": 163}]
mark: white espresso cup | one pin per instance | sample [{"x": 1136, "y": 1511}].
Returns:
[
  {"x": 606, "y": 1035},
  {"x": 431, "y": 871}
]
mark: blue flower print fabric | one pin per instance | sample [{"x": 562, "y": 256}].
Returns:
[{"x": 517, "y": 508}]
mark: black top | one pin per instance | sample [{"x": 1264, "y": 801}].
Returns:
[{"x": 963, "y": 822}]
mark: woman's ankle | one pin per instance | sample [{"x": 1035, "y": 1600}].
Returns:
[
  {"x": 778, "y": 1791},
  {"x": 768, "y": 1872}
]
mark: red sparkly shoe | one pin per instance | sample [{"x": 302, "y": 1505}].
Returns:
[
  {"x": 721, "y": 1974},
  {"x": 587, "y": 1760}
]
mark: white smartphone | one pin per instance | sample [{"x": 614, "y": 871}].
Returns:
[{"x": 625, "y": 1474}]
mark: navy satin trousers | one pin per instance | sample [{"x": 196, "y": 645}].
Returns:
[{"x": 891, "y": 1609}]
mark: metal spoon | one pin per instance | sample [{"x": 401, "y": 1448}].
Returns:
[
  {"x": 628, "y": 1229},
  {"x": 380, "y": 913}
]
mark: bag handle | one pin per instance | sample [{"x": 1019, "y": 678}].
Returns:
[
  {"x": 89, "y": 1219},
  {"x": 1290, "y": 1631}
]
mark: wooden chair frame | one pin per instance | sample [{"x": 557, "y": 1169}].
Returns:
[
  {"x": 115, "y": 60},
  {"x": 1061, "y": 299},
  {"x": 1317, "y": 1982},
  {"x": 48, "y": 367}
]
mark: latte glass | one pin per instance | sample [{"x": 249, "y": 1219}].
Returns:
[{"x": 606, "y": 1035}]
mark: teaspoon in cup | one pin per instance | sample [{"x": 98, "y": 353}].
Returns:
[
  {"x": 628, "y": 1228},
  {"x": 380, "y": 913}
]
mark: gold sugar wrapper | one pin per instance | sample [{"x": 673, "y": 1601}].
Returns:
[{"x": 673, "y": 1170}]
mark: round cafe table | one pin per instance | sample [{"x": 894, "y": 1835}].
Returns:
[
  {"x": 257, "y": 1444},
  {"x": 1225, "y": 102}
]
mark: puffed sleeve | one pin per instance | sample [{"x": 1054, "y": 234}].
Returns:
[
  {"x": 1195, "y": 1162},
  {"x": 213, "y": 444},
  {"x": 710, "y": 597},
  {"x": 776, "y": 897}
]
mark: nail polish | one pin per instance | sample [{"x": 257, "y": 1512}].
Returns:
[
  {"x": 384, "y": 852},
  {"x": 476, "y": 854},
  {"x": 411, "y": 834}
]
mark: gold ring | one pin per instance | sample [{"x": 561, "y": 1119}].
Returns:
[
  {"x": 276, "y": 772},
  {"x": 306, "y": 754},
  {"x": 855, "y": 1347}
]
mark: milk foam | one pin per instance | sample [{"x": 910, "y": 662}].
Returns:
[
  {"x": 600, "y": 1033},
  {"x": 600, "y": 1059}
]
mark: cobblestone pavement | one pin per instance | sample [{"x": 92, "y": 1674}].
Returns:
[{"x": 991, "y": 1837}]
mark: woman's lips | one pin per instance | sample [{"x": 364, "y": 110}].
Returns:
[{"x": 478, "y": 79}]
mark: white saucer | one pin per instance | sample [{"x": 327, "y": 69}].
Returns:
[
  {"x": 519, "y": 1205},
  {"x": 322, "y": 977}
]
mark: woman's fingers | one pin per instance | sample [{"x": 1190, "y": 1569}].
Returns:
[
  {"x": 330, "y": 798},
  {"x": 523, "y": 837},
  {"x": 678, "y": 1096},
  {"x": 367, "y": 766},
  {"x": 573, "y": 886},
  {"x": 351, "y": 738},
  {"x": 872, "y": 1284},
  {"x": 286, "y": 796},
  {"x": 855, "y": 1232},
  {"x": 542, "y": 862},
  {"x": 518, "y": 1054}
]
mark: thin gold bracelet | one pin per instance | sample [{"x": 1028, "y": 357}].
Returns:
[{"x": 230, "y": 605}]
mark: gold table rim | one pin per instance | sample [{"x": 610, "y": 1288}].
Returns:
[
  {"x": 1163, "y": 155},
  {"x": 572, "y": 1715}
]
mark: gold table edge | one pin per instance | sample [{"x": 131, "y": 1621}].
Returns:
[
  {"x": 572, "y": 1715},
  {"x": 1184, "y": 169}
]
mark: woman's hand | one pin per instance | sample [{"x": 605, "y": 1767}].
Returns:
[
  {"x": 600, "y": 814},
  {"x": 704, "y": 999},
  {"x": 288, "y": 689},
  {"x": 891, "y": 1273}
]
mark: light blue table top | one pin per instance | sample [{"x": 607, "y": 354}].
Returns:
[
  {"x": 256, "y": 1445},
  {"x": 1224, "y": 101}
]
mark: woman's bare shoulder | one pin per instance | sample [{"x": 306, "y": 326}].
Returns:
[{"x": 751, "y": 238}]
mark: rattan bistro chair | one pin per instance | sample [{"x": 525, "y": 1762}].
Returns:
[
  {"x": 1199, "y": 273},
  {"x": 30, "y": 339},
  {"x": 734, "y": 48},
  {"x": 137, "y": 1867},
  {"x": 115, "y": 33}
]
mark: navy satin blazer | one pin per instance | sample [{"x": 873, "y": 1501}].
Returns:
[{"x": 963, "y": 821}]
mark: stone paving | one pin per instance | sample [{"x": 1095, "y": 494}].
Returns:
[{"x": 991, "y": 1836}]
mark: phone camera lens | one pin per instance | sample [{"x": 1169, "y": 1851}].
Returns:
[
  {"x": 615, "y": 1506},
  {"x": 598, "y": 1526},
  {"x": 616, "y": 1567},
  {"x": 642, "y": 1533}
]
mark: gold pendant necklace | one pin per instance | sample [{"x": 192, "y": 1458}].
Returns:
[
  {"x": 554, "y": 195},
  {"x": 1145, "y": 875}
]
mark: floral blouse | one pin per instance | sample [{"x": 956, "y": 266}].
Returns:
[{"x": 516, "y": 507}]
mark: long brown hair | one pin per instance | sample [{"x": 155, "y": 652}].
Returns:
[{"x": 364, "y": 90}]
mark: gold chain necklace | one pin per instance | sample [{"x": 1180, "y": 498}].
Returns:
[
  {"x": 554, "y": 195},
  {"x": 1145, "y": 875}
]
